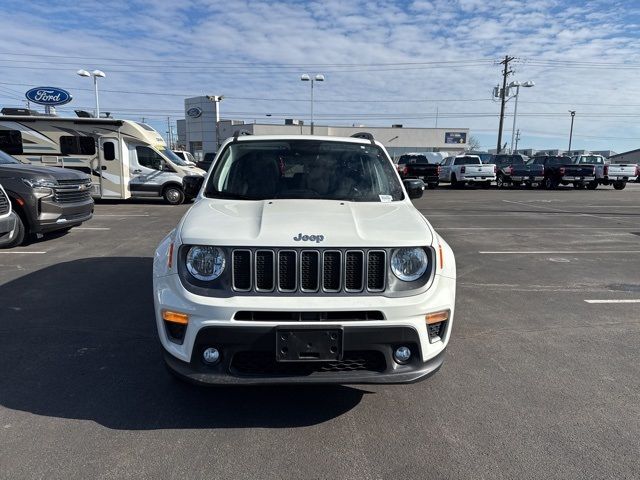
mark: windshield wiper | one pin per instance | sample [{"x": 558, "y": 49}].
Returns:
[{"x": 231, "y": 196}]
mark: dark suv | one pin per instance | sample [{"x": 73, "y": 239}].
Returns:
[{"x": 45, "y": 199}]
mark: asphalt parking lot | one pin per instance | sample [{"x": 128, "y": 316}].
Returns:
[{"x": 541, "y": 379}]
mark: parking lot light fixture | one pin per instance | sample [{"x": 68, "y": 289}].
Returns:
[
  {"x": 517, "y": 85},
  {"x": 573, "y": 114},
  {"x": 305, "y": 77},
  {"x": 95, "y": 74}
]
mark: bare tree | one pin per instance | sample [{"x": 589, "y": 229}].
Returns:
[{"x": 473, "y": 143}]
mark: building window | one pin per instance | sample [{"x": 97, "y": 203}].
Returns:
[
  {"x": 11, "y": 142},
  {"x": 76, "y": 145}
]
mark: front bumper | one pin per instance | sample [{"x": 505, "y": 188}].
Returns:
[
  {"x": 212, "y": 322},
  {"x": 7, "y": 224},
  {"x": 55, "y": 216},
  {"x": 249, "y": 357}
]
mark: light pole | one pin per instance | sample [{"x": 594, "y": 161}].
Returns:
[
  {"x": 306, "y": 78},
  {"x": 95, "y": 74},
  {"x": 217, "y": 99},
  {"x": 526, "y": 84},
  {"x": 573, "y": 114}
]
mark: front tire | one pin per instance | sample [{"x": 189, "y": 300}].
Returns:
[
  {"x": 619, "y": 185},
  {"x": 592, "y": 185},
  {"x": 173, "y": 195},
  {"x": 500, "y": 183},
  {"x": 550, "y": 183}
]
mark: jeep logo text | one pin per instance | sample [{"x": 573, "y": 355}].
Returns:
[{"x": 309, "y": 238}]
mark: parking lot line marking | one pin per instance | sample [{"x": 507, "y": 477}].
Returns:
[
  {"x": 603, "y": 217},
  {"x": 23, "y": 252},
  {"x": 534, "y": 228},
  {"x": 122, "y": 215},
  {"x": 91, "y": 228},
  {"x": 555, "y": 252},
  {"x": 633, "y": 300}
]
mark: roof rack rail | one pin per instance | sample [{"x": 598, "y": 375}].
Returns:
[
  {"x": 237, "y": 133},
  {"x": 365, "y": 136}
]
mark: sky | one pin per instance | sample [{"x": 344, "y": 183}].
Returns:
[{"x": 416, "y": 63}]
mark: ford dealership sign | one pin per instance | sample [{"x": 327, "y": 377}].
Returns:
[
  {"x": 194, "y": 112},
  {"x": 50, "y": 96}
]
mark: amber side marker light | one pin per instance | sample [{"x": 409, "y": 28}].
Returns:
[
  {"x": 170, "y": 260},
  {"x": 175, "y": 317},
  {"x": 441, "y": 256},
  {"x": 437, "y": 317}
]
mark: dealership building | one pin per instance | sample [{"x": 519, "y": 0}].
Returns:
[{"x": 202, "y": 130}]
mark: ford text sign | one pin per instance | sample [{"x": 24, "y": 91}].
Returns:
[{"x": 48, "y": 96}]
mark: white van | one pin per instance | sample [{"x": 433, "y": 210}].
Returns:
[{"x": 124, "y": 158}]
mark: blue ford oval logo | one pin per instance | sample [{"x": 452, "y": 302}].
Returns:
[
  {"x": 48, "y": 96},
  {"x": 194, "y": 112}
]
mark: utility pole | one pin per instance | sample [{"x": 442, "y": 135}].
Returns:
[
  {"x": 169, "y": 131},
  {"x": 517, "y": 140},
  {"x": 573, "y": 114},
  {"x": 503, "y": 94}
]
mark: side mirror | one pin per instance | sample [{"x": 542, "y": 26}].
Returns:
[
  {"x": 191, "y": 184},
  {"x": 414, "y": 187}
]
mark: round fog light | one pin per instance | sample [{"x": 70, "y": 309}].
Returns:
[
  {"x": 402, "y": 354},
  {"x": 211, "y": 355}
]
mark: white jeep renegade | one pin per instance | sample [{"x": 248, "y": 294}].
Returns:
[{"x": 303, "y": 260}]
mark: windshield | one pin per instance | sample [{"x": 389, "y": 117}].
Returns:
[
  {"x": 6, "y": 159},
  {"x": 172, "y": 156},
  {"x": 591, "y": 159},
  {"x": 467, "y": 161},
  {"x": 305, "y": 169},
  {"x": 404, "y": 159}
]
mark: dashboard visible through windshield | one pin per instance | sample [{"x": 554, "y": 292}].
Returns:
[{"x": 304, "y": 169}]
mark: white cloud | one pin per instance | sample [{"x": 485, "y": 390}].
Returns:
[{"x": 189, "y": 47}]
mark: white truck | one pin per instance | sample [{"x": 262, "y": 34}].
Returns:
[
  {"x": 463, "y": 169},
  {"x": 303, "y": 260},
  {"x": 616, "y": 174}
]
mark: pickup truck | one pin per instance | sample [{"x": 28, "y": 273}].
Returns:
[
  {"x": 418, "y": 166},
  {"x": 464, "y": 169},
  {"x": 616, "y": 174},
  {"x": 45, "y": 199},
  {"x": 561, "y": 170},
  {"x": 7, "y": 219},
  {"x": 505, "y": 166},
  {"x": 283, "y": 272}
]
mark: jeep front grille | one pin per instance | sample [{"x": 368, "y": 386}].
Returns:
[{"x": 309, "y": 271}]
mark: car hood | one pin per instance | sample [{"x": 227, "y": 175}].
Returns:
[
  {"x": 24, "y": 170},
  {"x": 278, "y": 223}
]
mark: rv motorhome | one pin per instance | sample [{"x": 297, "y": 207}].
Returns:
[{"x": 124, "y": 158}]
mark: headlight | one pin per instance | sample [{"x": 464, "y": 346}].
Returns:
[
  {"x": 42, "y": 187},
  {"x": 409, "y": 264},
  {"x": 205, "y": 263},
  {"x": 39, "y": 182}
]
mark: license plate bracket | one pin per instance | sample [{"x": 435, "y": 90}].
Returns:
[{"x": 308, "y": 345}]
